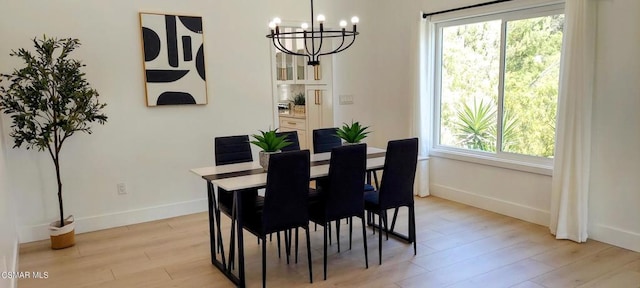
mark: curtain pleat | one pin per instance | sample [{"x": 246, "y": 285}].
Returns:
[{"x": 570, "y": 183}]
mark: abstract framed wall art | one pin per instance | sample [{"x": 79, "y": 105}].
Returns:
[{"x": 173, "y": 59}]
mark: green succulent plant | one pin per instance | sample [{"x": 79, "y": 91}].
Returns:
[
  {"x": 269, "y": 141},
  {"x": 353, "y": 133}
]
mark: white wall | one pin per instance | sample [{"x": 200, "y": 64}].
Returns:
[
  {"x": 614, "y": 202},
  {"x": 9, "y": 235},
  {"x": 149, "y": 149}
]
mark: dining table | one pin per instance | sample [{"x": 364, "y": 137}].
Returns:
[{"x": 240, "y": 176}]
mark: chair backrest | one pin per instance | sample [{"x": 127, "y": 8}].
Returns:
[
  {"x": 292, "y": 136},
  {"x": 344, "y": 196},
  {"x": 396, "y": 188},
  {"x": 287, "y": 193},
  {"x": 232, "y": 149},
  {"x": 325, "y": 139}
]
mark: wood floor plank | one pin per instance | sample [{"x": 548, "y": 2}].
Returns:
[
  {"x": 458, "y": 272},
  {"x": 458, "y": 246},
  {"x": 527, "y": 284},
  {"x": 588, "y": 268},
  {"x": 506, "y": 276},
  {"x": 625, "y": 276}
]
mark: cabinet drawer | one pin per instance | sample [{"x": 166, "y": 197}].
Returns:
[{"x": 293, "y": 123}]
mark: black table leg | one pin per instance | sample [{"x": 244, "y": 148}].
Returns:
[
  {"x": 237, "y": 199},
  {"x": 212, "y": 227}
]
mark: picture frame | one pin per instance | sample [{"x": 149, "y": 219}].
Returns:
[{"x": 173, "y": 59}]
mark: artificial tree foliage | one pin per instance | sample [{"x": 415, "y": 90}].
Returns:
[{"x": 49, "y": 100}]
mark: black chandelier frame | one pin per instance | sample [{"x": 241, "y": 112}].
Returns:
[{"x": 310, "y": 38}]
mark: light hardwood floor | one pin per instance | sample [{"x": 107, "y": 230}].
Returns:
[{"x": 458, "y": 246}]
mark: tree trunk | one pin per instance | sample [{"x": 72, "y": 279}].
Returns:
[{"x": 56, "y": 162}]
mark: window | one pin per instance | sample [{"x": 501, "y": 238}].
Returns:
[{"x": 497, "y": 82}]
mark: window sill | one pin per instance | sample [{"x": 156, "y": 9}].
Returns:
[{"x": 493, "y": 161}]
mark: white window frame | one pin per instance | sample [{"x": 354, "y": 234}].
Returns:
[{"x": 534, "y": 164}]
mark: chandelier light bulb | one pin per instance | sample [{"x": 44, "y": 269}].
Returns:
[
  {"x": 321, "y": 18},
  {"x": 272, "y": 25},
  {"x": 277, "y": 21},
  {"x": 355, "y": 20},
  {"x": 304, "y": 26},
  {"x": 343, "y": 23}
]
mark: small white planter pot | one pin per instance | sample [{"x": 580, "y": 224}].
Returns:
[{"x": 264, "y": 159}]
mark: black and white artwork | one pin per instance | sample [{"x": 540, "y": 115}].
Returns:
[{"x": 173, "y": 59}]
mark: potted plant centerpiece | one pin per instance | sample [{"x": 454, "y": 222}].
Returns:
[
  {"x": 352, "y": 134},
  {"x": 48, "y": 101},
  {"x": 270, "y": 143},
  {"x": 299, "y": 104}
]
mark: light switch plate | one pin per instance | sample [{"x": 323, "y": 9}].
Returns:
[{"x": 346, "y": 99}]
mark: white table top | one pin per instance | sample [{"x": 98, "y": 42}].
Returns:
[{"x": 260, "y": 180}]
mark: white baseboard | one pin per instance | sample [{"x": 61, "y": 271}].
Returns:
[
  {"x": 526, "y": 213},
  {"x": 615, "y": 236},
  {"x": 117, "y": 219}
]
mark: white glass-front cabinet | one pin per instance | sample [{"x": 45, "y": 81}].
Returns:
[
  {"x": 292, "y": 76},
  {"x": 293, "y": 69}
]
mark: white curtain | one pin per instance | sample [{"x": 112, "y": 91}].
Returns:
[
  {"x": 570, "y": 184},
  {"x": 423, "y": 113}
]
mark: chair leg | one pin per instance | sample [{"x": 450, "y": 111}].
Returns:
[
  {"x": 373, "y": 222},
  {"x": 296, "y": 245},
  {"x": 364, "y": 238},
  {"x": 386, "y": 227},
  {"x": 278, "y": 239},
  {"x": 412, "y": 229},
  {"x": 351, "y": 229},
  {"x": 287, "y": 244},
  {"x": 380, "y": 238},
  {"x": 264, "y": 262},
  {"x": 306, "y": 229},
  {"x": 338, "y": 234},
  {"x": 327, "y": 225}
]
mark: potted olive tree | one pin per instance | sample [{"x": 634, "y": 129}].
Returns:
[
  {"x": 352, "y": 134},
  {"x": 49, "y": 100},
  {"x": 270, "y": 143}
]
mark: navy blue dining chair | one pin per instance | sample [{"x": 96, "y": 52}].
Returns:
[
  {"x": 396, "y": 187},
  {"x": 341, "y": 195},
  {"x": 325, "y": 139},
  {"x": 291, "y": 136},
  {"x": 285, "y": 202},
  {"x": 233, "y": 150}
]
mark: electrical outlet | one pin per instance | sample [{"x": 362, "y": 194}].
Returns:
[{"x": 122, "y": 189}]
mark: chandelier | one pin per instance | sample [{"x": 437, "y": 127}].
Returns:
[{"x": 312, "y": 37}]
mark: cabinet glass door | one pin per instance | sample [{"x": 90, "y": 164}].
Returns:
[{"x": 301, "y": 61}]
